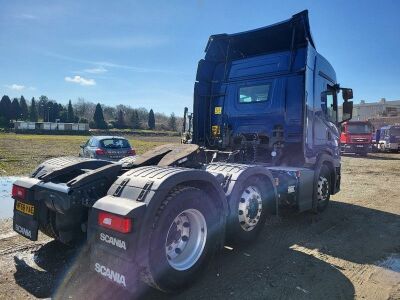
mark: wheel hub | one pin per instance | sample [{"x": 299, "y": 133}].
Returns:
[
  {"x": 186, "y": 239},
  {"x": 253, "y": 208},
  {"x": 323, "y": 189},
  {"x": 250, "y": 208}
]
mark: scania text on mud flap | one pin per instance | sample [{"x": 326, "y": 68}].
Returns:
[
  {"x": 110, "y": 274},
  {"x": 23, "y": 231},
  {"x": 263, "y": 134},
  {"x": 112, "y": 240}
]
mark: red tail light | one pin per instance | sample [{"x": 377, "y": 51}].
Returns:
[
  {"x": 114, "y": 222},
  {"x": 18, "y": 192},
  {"x": 100, "y": 152},
  {"x": 131, "y": 152}
]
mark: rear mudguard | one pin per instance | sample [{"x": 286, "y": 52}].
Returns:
[
  {"x": 236, "y": 174},
  {"x": 56, "y": 167},
  {"x": 138, "y": 194}
]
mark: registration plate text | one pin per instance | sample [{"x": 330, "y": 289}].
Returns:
[{"x": 25, "y": 208}]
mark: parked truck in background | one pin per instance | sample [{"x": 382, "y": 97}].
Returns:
[
  {"x": 356, "y": 137},
  {"x": 264, "y": 134},
  {"x": 387, "y": 138}
]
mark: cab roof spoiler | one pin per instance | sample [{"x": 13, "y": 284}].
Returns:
[{"x": 283, "y": 36}]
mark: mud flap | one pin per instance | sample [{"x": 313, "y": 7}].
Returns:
[
  {"x": 25, "y": 226},
  {"x": 114, "y": 269}
]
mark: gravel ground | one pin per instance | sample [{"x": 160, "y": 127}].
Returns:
[{"x": 350, "y": 251}]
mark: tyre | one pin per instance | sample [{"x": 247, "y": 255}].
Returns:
[
  {"x": 249, "y": 210},
  {"x": 49, "y": 228},
  {"x": 322, "y": 191},
  {"x": 183, "y": 238}
]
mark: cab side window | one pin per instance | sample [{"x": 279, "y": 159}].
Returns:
[
  {"x": 254, "y": 94},
  {"x": 328, "y": 104}
]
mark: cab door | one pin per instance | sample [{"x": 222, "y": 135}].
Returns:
[{"x": 326, "y": 134}]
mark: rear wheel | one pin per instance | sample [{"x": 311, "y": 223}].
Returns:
[
  {"x": 49, "y": 228},
  {"x": 249, "y": 210},
  {"x": 183, "y": 238}
]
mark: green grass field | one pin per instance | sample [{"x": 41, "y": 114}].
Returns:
[{"x": 21, "y": 153}]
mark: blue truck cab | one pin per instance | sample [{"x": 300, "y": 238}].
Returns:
[
  {"x": 269, "y": 89},
  {"x": 387, "y": 138}
]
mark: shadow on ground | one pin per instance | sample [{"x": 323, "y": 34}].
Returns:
[
  {"x": 53, "y": 261},
  {"x": 269, "y": 268}
]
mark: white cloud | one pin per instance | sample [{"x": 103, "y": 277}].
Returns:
[
  {"x": 123, "y": 42},
  {"x": 15, "y": 87},
  {"x": 110, "y": 65},
  {"x": 80, "y": 80},
  {"x": 96, "y": 70}
]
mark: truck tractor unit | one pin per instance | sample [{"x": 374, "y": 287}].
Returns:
[
  {"x": 263, "y": 134},
  {"x": 356, "y": 137},
  {"x": 388, "y": 138}
]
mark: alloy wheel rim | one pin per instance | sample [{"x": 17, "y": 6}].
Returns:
[
  {"x": 323, "y": 190},
  {"x": 250, "y": 208},
  {"x": 186, "y": 239}
]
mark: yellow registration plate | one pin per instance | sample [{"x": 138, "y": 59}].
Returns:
[{"x": 25, "y": 208}]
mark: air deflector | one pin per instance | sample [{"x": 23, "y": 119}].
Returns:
[{"x": 283, "y": 36}]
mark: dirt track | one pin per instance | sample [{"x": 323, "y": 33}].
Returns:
[{"x": 350, "y": 251}]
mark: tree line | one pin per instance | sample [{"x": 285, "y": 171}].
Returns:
[{"x": 83, "y": 111}]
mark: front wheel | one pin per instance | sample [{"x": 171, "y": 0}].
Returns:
[
  {"x": 184, "y": 237},
  {"x": 322, "y": 189}
]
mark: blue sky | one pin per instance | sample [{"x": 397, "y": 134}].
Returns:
[{"x": 145, "y": 53}]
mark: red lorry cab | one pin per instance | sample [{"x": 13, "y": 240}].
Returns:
[{"x": 356, "y": 137}]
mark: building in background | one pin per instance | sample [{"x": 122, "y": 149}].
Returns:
[
  {"x": 49, "y": 127},
  {"x": 379, "y": 113},
  {"x": 364, "y": 111}
]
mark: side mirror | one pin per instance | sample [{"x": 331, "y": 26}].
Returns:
[
  {"x": 347, "y": 94},
  {"x": 347, "y": 110},
  {"x": 82, "y": 146}
]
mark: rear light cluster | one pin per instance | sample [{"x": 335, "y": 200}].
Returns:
[
  {"x": 18, "y": 192},
  {"x": 100, "y": 152},
  {"x": 114, "y": 222},
  {"x": 131, "y": 152}
]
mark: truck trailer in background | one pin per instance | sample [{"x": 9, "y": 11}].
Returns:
[{"x": 387, "y": 138}]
